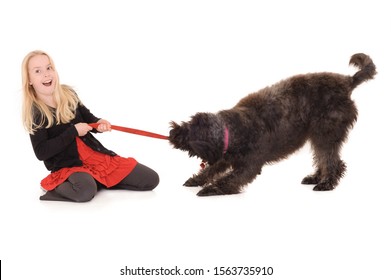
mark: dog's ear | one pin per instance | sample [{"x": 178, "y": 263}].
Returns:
[{"x": 205, "y": 151}]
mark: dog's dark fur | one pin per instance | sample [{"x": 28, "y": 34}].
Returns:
[{"x": 268, "y": 125}]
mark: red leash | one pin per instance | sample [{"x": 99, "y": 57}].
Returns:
[{"x": 132, "y": 130}]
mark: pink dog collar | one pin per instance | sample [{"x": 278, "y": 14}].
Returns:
[{"x": 226, "y": 139}]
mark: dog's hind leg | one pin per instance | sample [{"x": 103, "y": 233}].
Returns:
[
  {"x": 331, "y": 169},
  {"x": 327, "y": 137},
  {"x": 312, "y": 179}
]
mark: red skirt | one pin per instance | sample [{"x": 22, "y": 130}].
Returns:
[{"x": 106, "y": 169}]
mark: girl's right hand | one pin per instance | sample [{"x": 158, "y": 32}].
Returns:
[{"x": 82, "y": 128}]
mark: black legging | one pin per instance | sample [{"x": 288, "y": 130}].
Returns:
[{"x": 82, "y": 187}]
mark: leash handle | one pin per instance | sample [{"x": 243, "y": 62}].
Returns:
[{"x": 133, "y": 131}]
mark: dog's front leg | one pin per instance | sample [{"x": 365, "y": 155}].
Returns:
[
  {"x": 207, "y": 175},
  {"x": 233, "y": 182}
]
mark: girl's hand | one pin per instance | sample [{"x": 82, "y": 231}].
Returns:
[
  {"x": 104, "y": 125},
  {"x": 82, "y": 128}
]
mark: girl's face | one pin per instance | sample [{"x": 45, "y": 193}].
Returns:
[{"x": 42, "y": 76}]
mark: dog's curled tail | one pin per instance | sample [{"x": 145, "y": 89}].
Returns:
[{"x": 366, "y": 66}]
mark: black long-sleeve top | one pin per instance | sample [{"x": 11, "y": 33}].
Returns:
[{"x": 56, "y": 145}]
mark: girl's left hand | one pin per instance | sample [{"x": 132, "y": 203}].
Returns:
[{"x": 104, "y": 125}]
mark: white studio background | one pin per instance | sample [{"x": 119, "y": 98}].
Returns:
[{"x": 144, "y": 63}]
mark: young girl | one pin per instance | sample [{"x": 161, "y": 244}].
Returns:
[{"x": 57, "y": 122}]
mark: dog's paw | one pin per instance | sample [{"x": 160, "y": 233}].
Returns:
[
  {"x": 192, "y": 182},
  {"x": 210, "y": 190},
  {"x": 324, "y": 186},
  {"x": 310, "y": 180}
]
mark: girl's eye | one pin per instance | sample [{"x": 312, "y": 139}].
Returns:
[
  {"x": 49, "y": 68},
  {"x": 37, "y": 71}
]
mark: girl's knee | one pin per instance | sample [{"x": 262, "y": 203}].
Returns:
[
  {"x": 153, "y": 180},
  {"x": 86, "y": 193},
  {"x": 142, "y": 178},
  {"x": 80, "y": 187}
]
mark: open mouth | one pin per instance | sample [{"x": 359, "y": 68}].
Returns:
[{"x": 47, "y": 83}]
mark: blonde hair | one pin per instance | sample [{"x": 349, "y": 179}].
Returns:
[{"x": 64, "y": 96}]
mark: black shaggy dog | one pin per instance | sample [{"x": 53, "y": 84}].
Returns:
[{"x": 268, "y": 125}]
